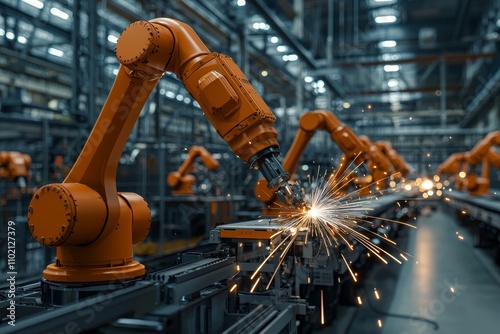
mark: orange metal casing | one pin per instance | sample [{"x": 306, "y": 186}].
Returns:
[{"x": 102, "y": 250}]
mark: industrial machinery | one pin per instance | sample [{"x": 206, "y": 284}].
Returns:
[
  {"x": 96, "y": 284},
  {"x": 401, "y": 168},
  {"x": 309, "y": 123},
  {"x": 15, "y": 167},
  {"x": 455, "y": 165},
  {"x": 91, "y": 224},
  {"x": 378, "y": 164},
  {"x": 481, "y": 153},
  {"x": 181, "y": 181}
]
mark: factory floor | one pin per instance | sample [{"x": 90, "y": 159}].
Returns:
[{"x": 448, "y": 286}]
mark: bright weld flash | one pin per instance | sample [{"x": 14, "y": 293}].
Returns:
[{"x": 313, "y": 213}]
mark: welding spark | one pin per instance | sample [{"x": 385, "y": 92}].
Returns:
[
  {"x": 335, "y": 217},
  {"x": 322, "y": 309}
]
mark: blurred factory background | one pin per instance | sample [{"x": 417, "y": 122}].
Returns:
[{"x": 353, "y": 84}]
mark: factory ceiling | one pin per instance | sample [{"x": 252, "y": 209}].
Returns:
[{"x": 385, "y": 63}]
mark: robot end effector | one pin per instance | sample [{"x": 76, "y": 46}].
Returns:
[{"x": 277, "y": 178}]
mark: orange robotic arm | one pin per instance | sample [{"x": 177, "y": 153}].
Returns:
[
  {"x": 180, "y": 181},
  {"x": 15, "y": 166},
  {"x": 481, "y": 149},
  {"x": 378, "y": 164},
  {"x": 92, "y": 225},
  {"x": 453, "y": 165},
  {"x": 396, "y": 160},
  {"x": 309, "y": 123},
  {"x": 493, "y": 158},
  {"x": 479, "y": 185}
]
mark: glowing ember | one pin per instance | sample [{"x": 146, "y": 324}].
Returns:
[{"x": 322, "y": 309}]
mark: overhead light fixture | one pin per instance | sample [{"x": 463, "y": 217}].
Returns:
[
  {"x": 56, "y": 52},
  {"x": 35, "y": 3},
  {"x": 2, "y": 32},
  {"x": 386, "y": 19},
  {"x": 22, "y": 39},
  {"x": 241, "y": 3},
  {"x": 59, "y": 13},
  {"x": 393, "y": 83},
  {"x": 10, "y": 35},
  {"x": 379, "y": 1},
  {"x": 274, "y": 39},
  {"x": 261, "y": 26},
  {"x": 391, "y": 68},
  {"x": 291, "y": 57},
  {"x": 282, "y": 48},
  {"x": 113, "y": 39},
  {"x": 308, "y": 79},
  {"x": 387, "y": 44}
]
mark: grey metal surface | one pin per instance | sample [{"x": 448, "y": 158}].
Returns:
[{"x": 418, "y": 295}]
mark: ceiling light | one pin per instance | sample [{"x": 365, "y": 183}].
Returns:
[
  {"x": 393, "y": 83},
  {"x": 320, "y": 83},
  {"x": 308, "y": 79},
  {"x": 59, "y": 13},
  {"x": 2, "y": 32},
  {"x": 264, "y": 73},
  {"x": 387, "y": 44},
  {"x": 379, "y": 1},
  {"x": 35, "y": 3},
  {"x": 22, "y": 39},
  {"x": 112, "y": 39},
  {"x": 241, "y": 3},
  {"x": 10, "y": 35},
  {"x": 282, "y": 48},
  {"x": 346, "y": 105},
  {"x": 261, "y": 26},
  {"x": 386, "y": 19},
  {"x": 56, "y": 52},
  {"x": 274, "y": 39},
  {"x": 291, "y": 57},
  {"x": 391, "y": 68}
]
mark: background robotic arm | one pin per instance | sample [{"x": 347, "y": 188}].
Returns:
[
  {"x": 309, "y": 123},
  {"x": 15, "y": 166},
  {"x": 180, "y": 180},
  {"x": 399, "y": 163},
  {"x": 479, "y": 154}
]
